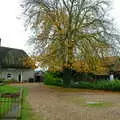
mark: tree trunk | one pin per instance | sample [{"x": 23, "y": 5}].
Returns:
[{"x": 67, "y": 75}]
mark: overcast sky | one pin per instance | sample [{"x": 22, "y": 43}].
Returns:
[{"x": 12, "y": 29}]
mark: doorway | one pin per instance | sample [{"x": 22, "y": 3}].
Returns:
[{"x": 19, "y": 78}]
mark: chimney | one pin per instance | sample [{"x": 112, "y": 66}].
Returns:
[{"x": 0, "y": 41}]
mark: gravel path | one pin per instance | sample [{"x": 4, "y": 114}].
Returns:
[{"x": 52, "y": 104}]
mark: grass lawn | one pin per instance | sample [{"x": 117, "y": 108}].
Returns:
[
  {"x": 27, "y": 113},
  {"x": 98, "y": 104},
  {"x": 9, "y": 89},
  {"x": 4, "y": 104}
]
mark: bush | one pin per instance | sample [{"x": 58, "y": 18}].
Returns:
[
  {"x": 52, "y": 79},
  {"x": 1, "y": 80},
  {"x": 31, "y": 80},
  {"x": 100, "y": 85},
  {"x": 9, "y": 81}
]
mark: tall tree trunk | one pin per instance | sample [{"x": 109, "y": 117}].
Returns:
[
  {"x": 67, "y": 77},
  {"x": 67, "y": 70}
]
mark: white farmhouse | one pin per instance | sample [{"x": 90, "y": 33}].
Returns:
[{"x": 12, "y": 65}]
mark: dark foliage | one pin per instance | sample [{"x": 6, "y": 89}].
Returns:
[
  {"x": 99, "y": 85},
  {"x": 52, "y": 78}
]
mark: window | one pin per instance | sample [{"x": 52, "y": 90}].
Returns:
[{"x": 9, "y": 76}]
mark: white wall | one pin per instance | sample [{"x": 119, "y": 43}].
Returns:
[
  {"x": 25, "y": 73},
  {"x": 14, "y": 73}
]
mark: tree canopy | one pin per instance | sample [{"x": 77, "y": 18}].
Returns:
[{"x": 66, "y": 31}]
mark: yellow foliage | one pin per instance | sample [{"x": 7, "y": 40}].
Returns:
[
  {"x": 81, "y": 66},
  {"x": 99, "y": 67},
  {"x": 29, "y": 63}
]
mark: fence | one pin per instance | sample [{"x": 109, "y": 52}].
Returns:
[{"x": 11, "y": 105}]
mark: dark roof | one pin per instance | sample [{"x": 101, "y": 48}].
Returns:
[{"x": 12, "y": 58}]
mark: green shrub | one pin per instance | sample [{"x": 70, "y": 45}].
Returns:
[
  {"x": 9, "y": 81},
  {"x": 52, "y": 79},
  {"x": 1, "y": 80},
  {"x": 99, "y": 85}
]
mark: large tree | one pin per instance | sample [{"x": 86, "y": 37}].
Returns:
[{"x": 65, "y": 31}]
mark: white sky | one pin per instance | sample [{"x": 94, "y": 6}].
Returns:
[
  {"x": 12, "y": 30},
  {"x": 116, "y": 12}
]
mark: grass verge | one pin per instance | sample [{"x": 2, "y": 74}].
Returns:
[
  {"x": 27, "y": 112},
  {"x": 98, "y": 104}
]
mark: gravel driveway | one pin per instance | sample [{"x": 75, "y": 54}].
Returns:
[{"x": 54, "y": 104}]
